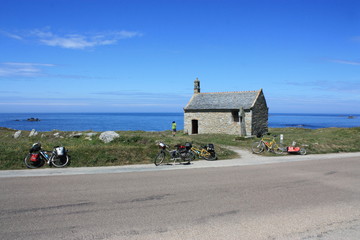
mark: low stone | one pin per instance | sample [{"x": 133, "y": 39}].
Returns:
[
  {"x": 33, "y": 133},
  {"x": 91, "y": 134},
  {"x": 76, "y": 135},
  {"x": 108, "y": 136},
  {"x": 17, "y": 134}
]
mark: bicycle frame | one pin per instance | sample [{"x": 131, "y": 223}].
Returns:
[
  {"x": 269, "y": 144},
  {"x": 200, "y": 152},
  {"x": 45, "y": 155}
]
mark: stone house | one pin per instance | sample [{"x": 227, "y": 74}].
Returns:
[{"x": 240, "y": 113}]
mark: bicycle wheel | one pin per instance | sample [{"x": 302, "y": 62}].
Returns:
[
  {"x": 33, "y": 164},
  {"x": 302, "y": 151},
  {"x": 59, "y": 161},
  {"x": 159, "y": 158},
  {"x": 212, "y": 156},
  {"x": 190, "y": 156},
  {"x": 258, "y": 147},
  {"x": 279, "y": 148}
]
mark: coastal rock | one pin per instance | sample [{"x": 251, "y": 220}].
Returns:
[
  {"x": 108, "y": 136},
  {"x": 33, "y": 120},
  {"x": 91, "y": 134},
  {"x": 75, "y": 135},
  {"x": 56, "y": 134},
  {"x": 33, "y": 133},
  {"x": 17, "y": 134}
]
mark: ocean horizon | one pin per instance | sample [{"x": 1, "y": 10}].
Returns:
[{"x": 156, "y": 121}]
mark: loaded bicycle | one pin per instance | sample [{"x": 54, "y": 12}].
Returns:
[
  {"x": 181, "y": 153},
  {"x": 37, "y": 157},
  {"x": 206, "y": 152},
  {"x": 268, "y": 144}
]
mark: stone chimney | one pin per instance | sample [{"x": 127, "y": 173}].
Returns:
[{"x": 196, "y": 86}]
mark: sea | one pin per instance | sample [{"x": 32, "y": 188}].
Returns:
[{"x": 156, "y": 121}]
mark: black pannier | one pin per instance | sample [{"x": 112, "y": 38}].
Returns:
[
  {"x": 35, "y": 147},
  {"x": 210, "y": 146},
  {"x": 188, "y": 146}
]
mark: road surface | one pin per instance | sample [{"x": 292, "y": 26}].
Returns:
[{"x": 295, "y": 198}]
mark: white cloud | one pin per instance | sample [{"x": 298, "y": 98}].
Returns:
[
  {"x": 332, "y": 86},
  {"x": 74, "y": 41},
  {"x": 344, "y": 61},
  {"x": 12, "y": 69},
  {"x": 11, "y": 35},
  {"x": 44, "y": 103}
]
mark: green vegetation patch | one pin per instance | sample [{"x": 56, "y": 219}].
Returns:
[{"x": 139, "y": 147}]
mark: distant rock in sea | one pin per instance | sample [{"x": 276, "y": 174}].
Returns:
[{"x": 33, "y": 119}]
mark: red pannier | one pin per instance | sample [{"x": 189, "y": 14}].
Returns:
[
  {"x": 293, "y": 149},
  {"x": 34, "y": 157}
]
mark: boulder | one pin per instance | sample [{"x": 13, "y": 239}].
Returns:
[
  {"x": 17, "y": 134},
  {"x": 33, "y": 133},
  {"x": 91, "y": 134},
  {"x": 75, "y": 135},
  {"x": 108, "y": 136}
]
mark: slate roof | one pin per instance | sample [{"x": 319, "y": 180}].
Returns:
[{"x": 223, "y": 100}]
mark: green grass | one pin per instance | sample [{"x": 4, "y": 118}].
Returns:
[{"x": 137, "y": 147}]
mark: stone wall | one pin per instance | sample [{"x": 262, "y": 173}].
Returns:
[
  {"x": 214, "y": 122},
  {"x": 260, "y": 116},
  {"x": 248, "y": 123}
]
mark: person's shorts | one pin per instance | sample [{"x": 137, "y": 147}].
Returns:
[{"x": 174, "y": 130}]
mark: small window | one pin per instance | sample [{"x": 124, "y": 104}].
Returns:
[{"x": 235, "y": 115}]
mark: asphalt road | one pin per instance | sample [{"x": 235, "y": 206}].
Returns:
[{"x": 314, "y": 199}]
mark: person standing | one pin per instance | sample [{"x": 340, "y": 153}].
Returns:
[{"x": 173, "y": 127}]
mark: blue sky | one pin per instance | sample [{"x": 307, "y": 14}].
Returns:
[{"x": 143, "y": 55}]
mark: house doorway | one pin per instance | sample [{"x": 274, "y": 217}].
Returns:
[{"x": 194, "y": 126}]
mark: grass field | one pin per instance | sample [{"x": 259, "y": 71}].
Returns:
[{"x": 137, "y": 147}]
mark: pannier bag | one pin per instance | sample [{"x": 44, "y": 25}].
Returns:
[
  {"x": 210, "y": 146},
  {"x": 34, "y": 157},
  {"x": 162, "y": 145},
  {"x": 181, "y": 148},
  {"x": 173, "y": 154},
  {"x": 293, "y": 149},
  {"x": 35, "y": 147},
  {"x": 188, "y": 145},
  {"x": 60, "y": 151}
]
